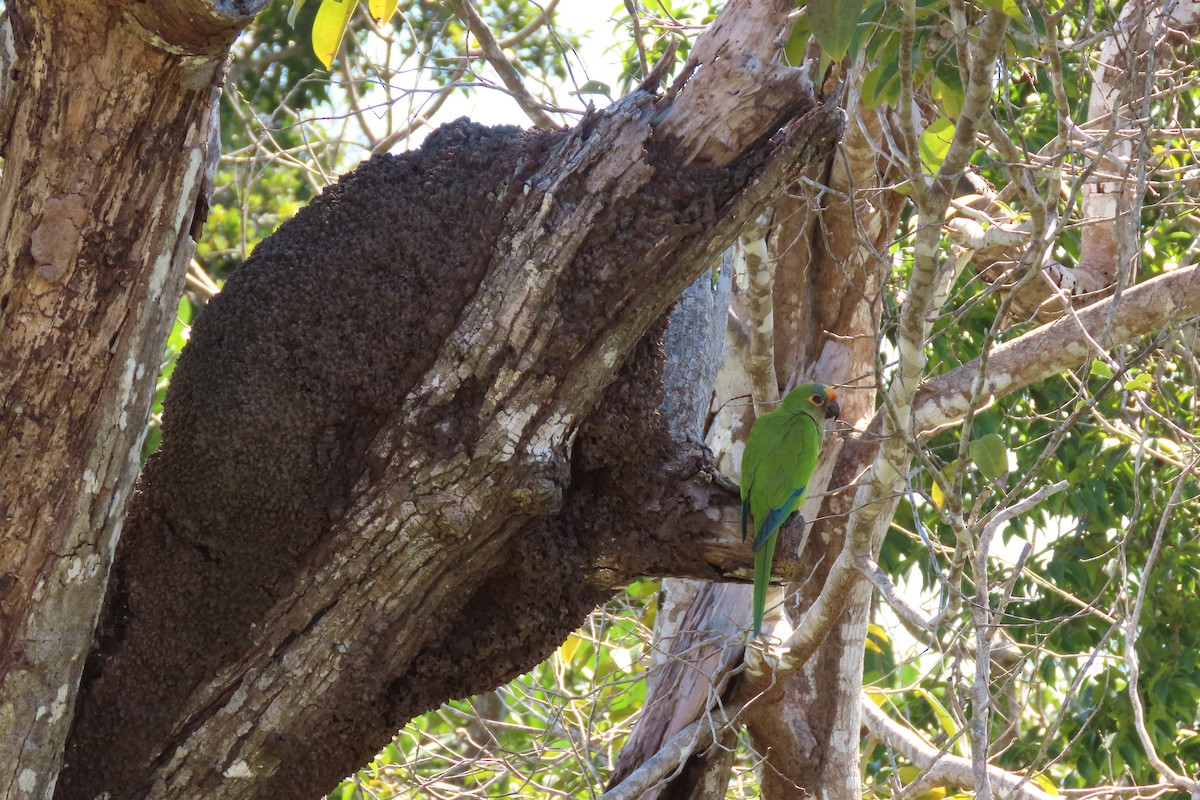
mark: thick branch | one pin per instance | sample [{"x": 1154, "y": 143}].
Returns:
[
  {"x": 1065, "y": 344},
  {"x": 939, "y": 768}
]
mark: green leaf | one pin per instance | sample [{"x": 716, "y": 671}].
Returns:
[
  {"x": 1141, "y": 382},
  {"x": 643, "y": 588},
  {"x": 951, "y": 96},
  {"x": 329, "y": 27},
  {"x": 295, "y": 10},
  {"x": 593, "y": 87},
  {"x": 382, "y": 10},
  {"x": 990, "y": 455},
  {"x": 797, "y": 43},
  {"x": 833, "y": 23},
  {"x": 935, "y": 143},
  {"x": 1009, "y": 7},
  {"x": 882, "y": 85},
  {"x": 1100, "y": 369}
]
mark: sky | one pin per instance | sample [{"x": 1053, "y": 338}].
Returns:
[{"x": 597, "y": 58}]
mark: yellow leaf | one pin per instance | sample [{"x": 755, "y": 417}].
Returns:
[
  {"x": 1048, "y": 785},
  {"x": 949, "y": 726},
  {"x": 329, "y": 27},
  {"x": 382, "y": 10},
  {"x": 568, "y": 648},
  {"x": 937, "y": 495}
]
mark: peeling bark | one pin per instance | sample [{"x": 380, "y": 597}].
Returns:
[{"x": 106, "y": 133}]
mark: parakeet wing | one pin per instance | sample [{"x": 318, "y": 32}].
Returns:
[{"x": 783, "y": 473}]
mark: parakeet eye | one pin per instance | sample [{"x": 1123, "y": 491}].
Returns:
[{"x": 816, "y": 399}]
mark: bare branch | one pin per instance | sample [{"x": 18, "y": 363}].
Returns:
[
  {"x": 940, "y": 768},
  {"x": 504, "y": 68},
  {"x": 1061, "y": 345}
]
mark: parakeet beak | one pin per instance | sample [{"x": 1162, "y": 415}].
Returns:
[{"x": 832, "y": 409}]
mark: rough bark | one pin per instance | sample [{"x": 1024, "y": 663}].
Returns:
[
  {"x": 106, "y": 116},
  {"x": 830, "y": 256},
  {"x": 377, "y": 488},
  {"x": 833, "y": 260}
]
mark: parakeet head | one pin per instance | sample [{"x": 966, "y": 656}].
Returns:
[{"x": 814, "y": 399}]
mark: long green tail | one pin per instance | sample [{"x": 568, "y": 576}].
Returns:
[{"x": 762, "y": 579}]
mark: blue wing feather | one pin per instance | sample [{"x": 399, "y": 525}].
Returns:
[{"x": 775, "y": 518}]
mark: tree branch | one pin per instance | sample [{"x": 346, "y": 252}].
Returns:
[
  {"x": 1170, "y": 298},
  {"x": 759, "y": 269},
  {"x": 494, "y": 54},
  {"x": 940, "y": 769}
]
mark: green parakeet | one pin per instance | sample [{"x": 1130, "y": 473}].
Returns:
[{"x": 780, "y": 456}]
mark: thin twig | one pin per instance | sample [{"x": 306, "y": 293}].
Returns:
[
  {"x": 514, "y": 39},
  {"x": 504, "y": 68},
  {"x": 1180, "y": 782}
]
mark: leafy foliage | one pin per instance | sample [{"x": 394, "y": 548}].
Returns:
[{"x": 551, "y": 733}]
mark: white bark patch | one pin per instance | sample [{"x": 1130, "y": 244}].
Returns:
[
  {"x": 113, "y": 538},
  {"x": 507, "y": 431},
  {"x": 74, "y": 570},
  {"x": 125, "y": 389},
  {"x": 118, "y": 498},
  {"x": 239, "y": 769},
  {"x": 548, "y": 438},
  {"x": 186, "y": 198},
  {"x": 506, "y": 380},
  {"x": 89, "y": 481},
  {"x": 609, "y": 352},
  {"x": 27, "y": 781},
  {"x": 59, "y": 706}
]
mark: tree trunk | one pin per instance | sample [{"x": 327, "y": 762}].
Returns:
[
  {"x": 106, "y": 128},
  {"x": 832, "y": 261},
  {"x": 391, "y": 471}
]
